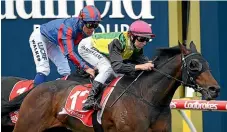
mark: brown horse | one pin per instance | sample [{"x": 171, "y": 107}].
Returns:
[
  {"x": 143, "y": 107},
  {"x": 8, "y": 83}
]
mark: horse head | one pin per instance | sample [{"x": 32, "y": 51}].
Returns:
[
  {"x": 196, "y": 73},
  {"x": 175, "y": 66}
]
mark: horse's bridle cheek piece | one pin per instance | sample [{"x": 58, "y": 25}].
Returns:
[{"x": 188, "y": 76}]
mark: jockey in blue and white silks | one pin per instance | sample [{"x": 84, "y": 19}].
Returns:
[{"x": 56, "y": 40}]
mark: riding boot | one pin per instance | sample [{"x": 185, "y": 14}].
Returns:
[
  {"x": 39, "y": 78},
  {"x": 91, "y": 101}
]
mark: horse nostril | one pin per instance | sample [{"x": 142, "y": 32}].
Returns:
[
  {"x": 214, "y": 89},
  {"x": 218, "y": 89}
]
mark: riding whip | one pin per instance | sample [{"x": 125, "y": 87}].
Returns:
[{"x": 127, "y": 88}]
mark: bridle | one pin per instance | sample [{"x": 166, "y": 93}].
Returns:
[{"x": 188, "y": 75}]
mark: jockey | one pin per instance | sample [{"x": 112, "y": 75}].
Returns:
[
  {"x": 107, "y": 52},
  {"x": 56, "y": 39}
]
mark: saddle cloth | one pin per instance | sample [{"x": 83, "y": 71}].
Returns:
[
  {"x": 76, "y": 98},
  {"x": 19, "y": 88}
]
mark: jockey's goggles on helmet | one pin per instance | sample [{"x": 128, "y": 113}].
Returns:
[
  {"x": 142, "y": 39},
  {"x": 91, "y": 25}
]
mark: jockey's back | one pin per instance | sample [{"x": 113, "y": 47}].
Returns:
[{"x": 53, "y": 29}]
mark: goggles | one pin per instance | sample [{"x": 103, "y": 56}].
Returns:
[
  {"x": 91, "y": 25},
  {"x": 142, "y": 39}
]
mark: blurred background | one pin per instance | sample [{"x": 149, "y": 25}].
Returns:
[{"x": 204, "y": 22}]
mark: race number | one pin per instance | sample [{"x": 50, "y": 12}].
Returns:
[
  {"x": 20, "y": 87},
  {"x": 21, "y": 90},
  {"x": 76, "y": 98},
  {"x": 80, "y": 96}
]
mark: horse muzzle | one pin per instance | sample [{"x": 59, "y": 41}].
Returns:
[{"x": 211, "y": 92}]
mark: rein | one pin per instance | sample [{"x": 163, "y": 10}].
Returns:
[
  {"x": 127, "y": 88},
  {"x": 196, "y": 87}
]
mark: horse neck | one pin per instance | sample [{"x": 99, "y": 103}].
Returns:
[{"x": 160, "y": 88}]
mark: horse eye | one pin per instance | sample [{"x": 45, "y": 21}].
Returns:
[{"x": 195, "y": 65}]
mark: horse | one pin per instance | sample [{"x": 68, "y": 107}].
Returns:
[
  {"x": 8, "y": 83},
  {"x": 136, "y": 104}
]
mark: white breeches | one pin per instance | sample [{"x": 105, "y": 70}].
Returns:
[
  {"x": 96, "y": 59},
  {"x": 42, "y": 49}
]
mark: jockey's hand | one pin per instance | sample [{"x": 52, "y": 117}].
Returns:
[
  {"x": 91, "y": 72},
  {"x": 145, "y": 67}
]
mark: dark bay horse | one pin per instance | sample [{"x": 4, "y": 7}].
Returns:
[
  {"x": 8, "y": 83},
  {"x": 144, "y": 107}
]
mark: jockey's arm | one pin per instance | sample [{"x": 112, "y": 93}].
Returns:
[
  {"x": 115, "y": 50},
  {"x": 68, "y": 46},
  {"x": 139, "y": 57}
]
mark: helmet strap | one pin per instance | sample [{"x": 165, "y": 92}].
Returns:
[{"x": 133, "y": 39}]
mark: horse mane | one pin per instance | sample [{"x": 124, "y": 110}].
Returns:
[
  {"x": 163, "y": 54},
  {"x": 79, "y": 76}
]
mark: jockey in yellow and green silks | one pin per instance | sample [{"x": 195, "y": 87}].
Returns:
[{"x": 107, "y": 52}]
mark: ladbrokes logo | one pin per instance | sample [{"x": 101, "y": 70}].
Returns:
[
  {"x": 173, "y": 105},
  {"x": 197, "y": 105}
]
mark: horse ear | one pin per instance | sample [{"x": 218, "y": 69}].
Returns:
[
  {"x": 182, "y": 48},
  {"x": 179, "y": 43},
  {"x": 193, "y": 47}
]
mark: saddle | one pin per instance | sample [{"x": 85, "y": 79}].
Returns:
[
  {"x": 76, "y": 98},
  {"x": 19, "y": 88}
]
